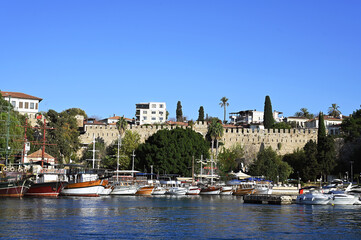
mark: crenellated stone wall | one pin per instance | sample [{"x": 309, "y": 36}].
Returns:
[{"x": 282, "y": 140}]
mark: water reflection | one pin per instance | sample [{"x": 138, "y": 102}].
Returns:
[{"x": 172, "y": 217}]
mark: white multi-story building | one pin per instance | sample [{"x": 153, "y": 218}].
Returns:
[
  {"x": 23, "y": 103},
  {"x": 252, "y": 117},
  {"x": 150, "y": 113}
]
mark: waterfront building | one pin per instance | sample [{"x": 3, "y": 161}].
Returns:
[
  {"x": 23, "y": 103},
  {"x": 150, "y": 113}
]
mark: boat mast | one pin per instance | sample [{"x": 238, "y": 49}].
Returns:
[
  {"x": 133, "y": 155},
  {"x": 119, "y": 139}
]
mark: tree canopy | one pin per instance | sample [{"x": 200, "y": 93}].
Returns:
[
  {"x": 270, "y": 165},
  {"x": 171, "y": 151},
  {"x": 351, "y": 126},
  {"x": 334, "y": 110}
]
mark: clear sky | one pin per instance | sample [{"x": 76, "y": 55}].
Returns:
[{"x": 106, "y": 56}]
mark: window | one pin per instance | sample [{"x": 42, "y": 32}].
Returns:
[
  {"x": 144, "y": 118},
  {"x": 13, "y": 103},
  {"x": 161, "y": 105},
  {"x": 26, "y": 105},
  {"x": 160, "y": 119},
  {"x": 32, "y": 105},
  {"x": 154, "y": 105},
  {"x": 153, "y": 112},
  {"x": 161, "y": 113},
  {"x": 153, "y": 119},
  {"x": 144, "y": 112},
  {"x": 21, "y": 105},
  {"x": 36, "y": 107}
]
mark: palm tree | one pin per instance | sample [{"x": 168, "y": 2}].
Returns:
[
  {"x": 224, "y": 103},
  {"x": 304, "y": 113},
  {"x": 215, "y": 131},
  {"x": 334, "y": 110},
  {"x": 122, "y": 126}
]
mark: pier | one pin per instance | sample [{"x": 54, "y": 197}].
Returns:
[{"x": 270, "y": 199}]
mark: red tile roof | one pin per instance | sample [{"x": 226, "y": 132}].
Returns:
[
  {"x": 19, "y": 95},
  {"x": 38, "y": 154}
]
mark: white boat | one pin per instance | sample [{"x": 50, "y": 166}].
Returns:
[
  {"x": 342, "y": 198},
  {"x": 193, "y": 190},
  {"x": 107, "y": 190},
  {"x": 176, "y": 191},
  {"x": 314, "y": 198},
  {"x": 158, "y": 190},
  {"x": 124, "y": 190},
  {"x": 226, "y": 190},
  {"x": 91, "y": 188}
]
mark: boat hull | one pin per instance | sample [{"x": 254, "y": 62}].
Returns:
[
  {"x": 313, "y": 199},
  {"x": 124, "y": 190},
  {"x": 47, "y": 189},
  {"x": 14, "y": 189},
  {"x": 145, "y": 190},
  {"x": 176, "y": 191},
  {"x": 193, "y": 191},
  {"x": 85, "y": 189},
  {"x": 210, "y": 191}
]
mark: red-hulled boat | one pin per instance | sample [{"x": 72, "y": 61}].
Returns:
[
  {"x": 48, "y": 183},
  {"x": 13, "y": 183}
]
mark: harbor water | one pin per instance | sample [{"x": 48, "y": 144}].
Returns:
[{"x": 166, "y": 217}]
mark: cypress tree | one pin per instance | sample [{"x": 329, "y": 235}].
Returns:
[
  {"x": 268, "y": 120},
  {"x": 200, "y": 114},
  {"x": 326, "y": 155},
  {"x": 179, "y": 112}
]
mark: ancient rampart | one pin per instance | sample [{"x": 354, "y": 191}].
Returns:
[{"x": 282, "y": 140}]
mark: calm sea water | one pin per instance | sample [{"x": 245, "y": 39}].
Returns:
[{"x": 166, "y": 217}]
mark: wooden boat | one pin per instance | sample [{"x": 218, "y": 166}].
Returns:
[
  {"x": 226, "y": 190},
  {"x": 145, "y": 190},
  {"x": 210, "y": 190},
  {"x": 13, "y": 183},
  {"x": 14, "y": 188},
  {"x": 84, "y": 184},
  {"x": 48, "y": 183}
]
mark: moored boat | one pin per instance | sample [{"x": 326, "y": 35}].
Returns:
[
  {"x": 210, "y": 190},
  {"x": 314, "y": 198},
  {"x": 193, "y": 190},
  {"x": 85, "y": 189},
  {"x": 226, "y": 190},
  {"x": 145, "y": 190},
  {"x": 13, "y": 183},
  {"x": 47, "y": 183}
]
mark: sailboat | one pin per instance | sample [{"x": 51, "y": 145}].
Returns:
[{"x": 84, "y": 182}]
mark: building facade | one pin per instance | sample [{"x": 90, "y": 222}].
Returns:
[
  {"x": 251, "y": 117},
  {"x": 150, "y": 113},
  {"x": 23, "y": 103}
]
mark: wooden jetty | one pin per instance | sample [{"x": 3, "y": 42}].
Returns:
[{"x": 269, "y": 199}]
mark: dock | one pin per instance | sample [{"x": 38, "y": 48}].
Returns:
[{"x": 270, "y": 199}]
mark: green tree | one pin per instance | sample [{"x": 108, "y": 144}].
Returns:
[
  {"x": 228, "y": 160},
  {"x": 62, "y": 135},
  {"x": 200, "y": 114},
  {"x": 122, "y": 126},
  {"x": 326, "y": 154},
  {"x": 129, "y": 143},
  {"x": 224, "y": 103},
  {"x": 270, "y": 165},
  {"x": 304, "y": 162},
  {"x": 171, "y": 151},
  {"x": 334, "y": 110},
  {"x": 179, "y": 112},
  {"x": 351, "y": 126},
  {"x": 215, "y": 132},
  {"x": 304, "y": 113},
  {"x": 281, "y": 125},
  {"x": 268, "y": 119}
]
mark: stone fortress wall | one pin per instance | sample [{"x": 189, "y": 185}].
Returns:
[{"x": 282, "y": 140}]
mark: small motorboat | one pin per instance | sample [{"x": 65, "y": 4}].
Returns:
[{"x": 210, "y": 190}]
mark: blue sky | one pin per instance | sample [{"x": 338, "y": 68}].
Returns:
[{"x": 106, "y": 56}]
